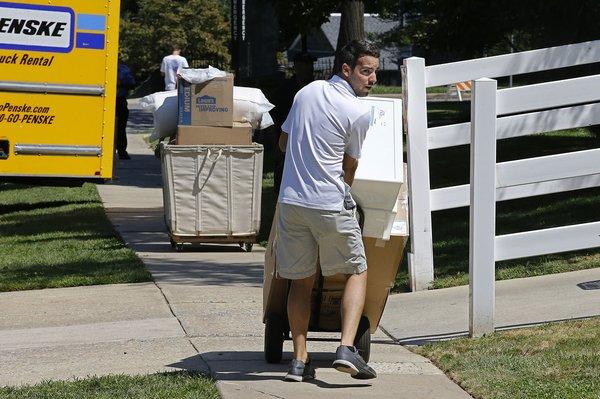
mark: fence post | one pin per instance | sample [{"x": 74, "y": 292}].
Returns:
[
  {"x": 420, "y": 257},
  {"x": 482, "y": 224}
]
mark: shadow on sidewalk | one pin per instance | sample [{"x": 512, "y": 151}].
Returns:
[
  {"x": 139, "y": 120},
  {"x": 142, "y": 171},
  {"x": 251, "y": 366},
  {"x": 205, "y": 272}
]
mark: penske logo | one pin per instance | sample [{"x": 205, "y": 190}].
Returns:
[
  {"x": 32, "y": 27},
  {"x": 36, "y": 27}
]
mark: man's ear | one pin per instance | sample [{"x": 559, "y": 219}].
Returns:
[{"x": 346, "y": 70}]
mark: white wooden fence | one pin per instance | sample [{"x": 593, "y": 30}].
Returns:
[
  {"x": 485, "y": 248},
  {"x": 420, "y": 139}
]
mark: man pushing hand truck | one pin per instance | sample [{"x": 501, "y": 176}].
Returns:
[{"x": 316, "y": 223}]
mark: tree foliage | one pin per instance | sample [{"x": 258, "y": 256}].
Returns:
[
  {"x": 150, "y": 27},
  {"x": 352, "y": 26},
  {"x": 459, "y": 29},
  {"x": 475, "y": 28},
  {"x": 299, "y": 17}
]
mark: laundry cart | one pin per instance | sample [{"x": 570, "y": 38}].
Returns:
[{"x": 212, "y": 193}]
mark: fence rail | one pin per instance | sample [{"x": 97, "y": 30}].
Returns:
[
  {"x": 518, "y": 125},
  {"x": 547, "y": 241},
  {"x": 458, "y": 196},
  {"x": 548, "y": 95},
  {"x": 514, "y": 64}
]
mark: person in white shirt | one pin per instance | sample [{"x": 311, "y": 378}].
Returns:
[
  {"x": 322, "y": 137},
  {"x": 170, "y": 65}
]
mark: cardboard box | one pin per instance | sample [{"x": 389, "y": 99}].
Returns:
[
  {"x": 274, "y": 288},
  {"x": 383, "y": 260},
  {"x": 326, "y": 314},
  {"x": 206, "y": 104},
  {"x": 239, "y": 134},
  {"x": 401, "y": 226}
]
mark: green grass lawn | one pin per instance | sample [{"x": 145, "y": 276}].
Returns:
[
  {"x": 382, "y": 89},
  {"x": 60, "y": 237},
  {"x": 179, "y": 385},
  {"x": 553, "y": 361},
  {"x": 450, "y": 166}
]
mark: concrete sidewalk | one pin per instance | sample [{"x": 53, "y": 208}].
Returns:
[{"x": 75, "y": 332}]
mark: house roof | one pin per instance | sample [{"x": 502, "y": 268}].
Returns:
[{"x": 322, "y": 41}]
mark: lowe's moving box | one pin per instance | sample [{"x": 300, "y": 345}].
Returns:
[
  {"x": 206, "y": 104},
  {"x": 239, "y": 134}
]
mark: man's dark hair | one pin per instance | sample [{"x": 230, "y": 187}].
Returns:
[{"x": 351, "y": 52}]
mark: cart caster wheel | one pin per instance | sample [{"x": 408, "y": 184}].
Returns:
[
  {"x": 274, "y": 336},
  {"x": 362, "y": 342},
  {"x": 176, "y": 246},
  {"x": 248, "y": 247}
]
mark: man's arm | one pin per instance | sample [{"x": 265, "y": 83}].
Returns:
[
  {"x": 349, "y": 166},
  {"x": 352, "y": 153},
  {"x": 283, "y": 138},
  {"x": 163, "y": 67}
]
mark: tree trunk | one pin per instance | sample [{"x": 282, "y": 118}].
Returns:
[
  {"x": 352, "y": 25},
  {"x": 304, "y": 41}
]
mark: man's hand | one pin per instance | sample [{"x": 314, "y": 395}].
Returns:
[
  {"x": 283, "y": 138},
  {"x": 349, "y": 166}
]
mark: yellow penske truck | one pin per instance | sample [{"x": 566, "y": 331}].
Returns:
[{"x": 58, "y": 71}]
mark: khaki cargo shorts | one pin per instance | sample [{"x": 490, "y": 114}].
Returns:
[{"x": 305, "y": 235}]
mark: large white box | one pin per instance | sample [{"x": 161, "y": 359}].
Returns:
[
  {"x": 380, "y": 172},
  {"x": 212, "y": 190}
]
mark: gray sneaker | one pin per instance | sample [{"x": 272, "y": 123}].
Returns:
[
  {"x": 300, "y": 371},
  {"x": 349, "y": 361}
]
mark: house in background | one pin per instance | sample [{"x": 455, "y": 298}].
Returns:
[{"x": 321, "y": 45}]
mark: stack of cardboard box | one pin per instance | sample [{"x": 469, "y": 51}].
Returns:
[
  {"x": 383, "y": 260},
  {"x": 206, "y": 114}
]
